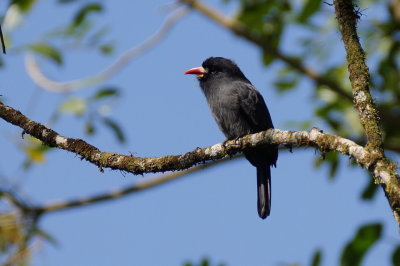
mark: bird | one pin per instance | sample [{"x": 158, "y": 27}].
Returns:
[{"x": 239, "y": 109}]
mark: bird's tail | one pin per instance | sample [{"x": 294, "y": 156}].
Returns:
[{"x": 263, "y": 190}]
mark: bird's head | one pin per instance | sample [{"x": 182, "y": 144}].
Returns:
[{"x": 217, "y": 67}]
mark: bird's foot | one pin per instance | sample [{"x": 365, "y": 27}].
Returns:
[
  {"x": 231, "y": 146},
  {"x": 290, "y": 147}
]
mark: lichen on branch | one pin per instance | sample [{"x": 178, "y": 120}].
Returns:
[
  {"x": 347, "y": 16},
  {"x": 138, "y": 165}
]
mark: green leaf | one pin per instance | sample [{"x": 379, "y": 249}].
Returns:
[
  {"x": 105, "y": 92},
  {"x": 66, "y": 1},
  {"x": 98, "y": 35},
  {"x": 115, "y": 128},
  {"x": 309, "y": 9},
  {"x": 83, "y": 13},
  {"x": 299, "y": 125},
  {"x": 205, "y": 262},
  {"x": 46, "y": 236},
  {"x": 24, "y": 5},
  {"x": 11, "y": 231},
  {"x": 333, "y": 158},
  {"x": 330, "y": 158},
  {"x": 286, "y": 84},
  {"x": 268, "y": 58},
  {"x": 357, "y": 248},
  {"x": 35, "y": 151},
  {"x": 396, "y": 256},
  {"x": 76, "y": 106},
  {"x": 317, "y": 257},
  {"x": 80, "y": 32},
  {"x": 265, "y": 19},
  {"x": 89, "y": 128},
  {"x": 47, "y": 51},
  {"x": 370, "y": 190},
  {"x": 107, "y": 48}
]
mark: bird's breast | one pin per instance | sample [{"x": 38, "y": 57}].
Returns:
[{"x": 229, "y": 118}]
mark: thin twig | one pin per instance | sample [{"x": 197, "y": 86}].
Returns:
[
  {"x": 116, "y": 194},
  {"x": 44, "y": 82},
  {"x": 3, "y": 46},
  {"x": 16, "y": 201}
]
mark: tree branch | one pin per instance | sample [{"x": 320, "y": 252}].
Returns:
[
  {"x": 115, "y": 194},
  {"x": 347, "y": 17},
  {"x": 137, "y": 165},
  {"x": 383, "y": 170},
  {"x": 14, "y": 200},
  {"x": 3, "y": 46}
]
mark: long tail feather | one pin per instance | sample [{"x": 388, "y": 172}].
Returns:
[{"x": 264, "y": 191}]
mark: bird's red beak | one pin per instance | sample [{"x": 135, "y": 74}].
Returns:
[{"x": 199, "y": 71}]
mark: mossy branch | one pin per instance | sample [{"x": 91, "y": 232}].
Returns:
[
  {"x": 138, "y": 165},
  {"x": 383, "y": 170},
  {"x": 348, "y": 16}
]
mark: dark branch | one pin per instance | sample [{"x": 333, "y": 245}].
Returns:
[
  {"x": 3, "y": 46},
  {"x": 116, "y": 194},
  {"x": 15, "y": 200}
]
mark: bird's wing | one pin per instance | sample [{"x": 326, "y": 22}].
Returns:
[{"x": 253, "y": 107}]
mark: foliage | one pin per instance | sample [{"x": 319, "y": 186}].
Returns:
[
  {"x": 47, "y": 51},
  {"x": 317, "y": 258},
  {"x": 203, "y": 262},
  {"x": 356, "y": 249}
]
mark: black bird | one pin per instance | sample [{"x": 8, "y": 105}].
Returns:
[{"x": 239, "y": 109}]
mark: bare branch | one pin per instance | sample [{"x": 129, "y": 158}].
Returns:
[
  {"x": 44, "y": 82},
  {"x": 13, "y": 199},
  {"x": 116, "y": 194},
  {"x": 3, "y": 46}
]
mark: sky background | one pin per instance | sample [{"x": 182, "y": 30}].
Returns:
[{"x": 210, "y": 213}]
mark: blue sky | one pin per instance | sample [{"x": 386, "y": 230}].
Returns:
[{"x": 210, "y": 213}]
